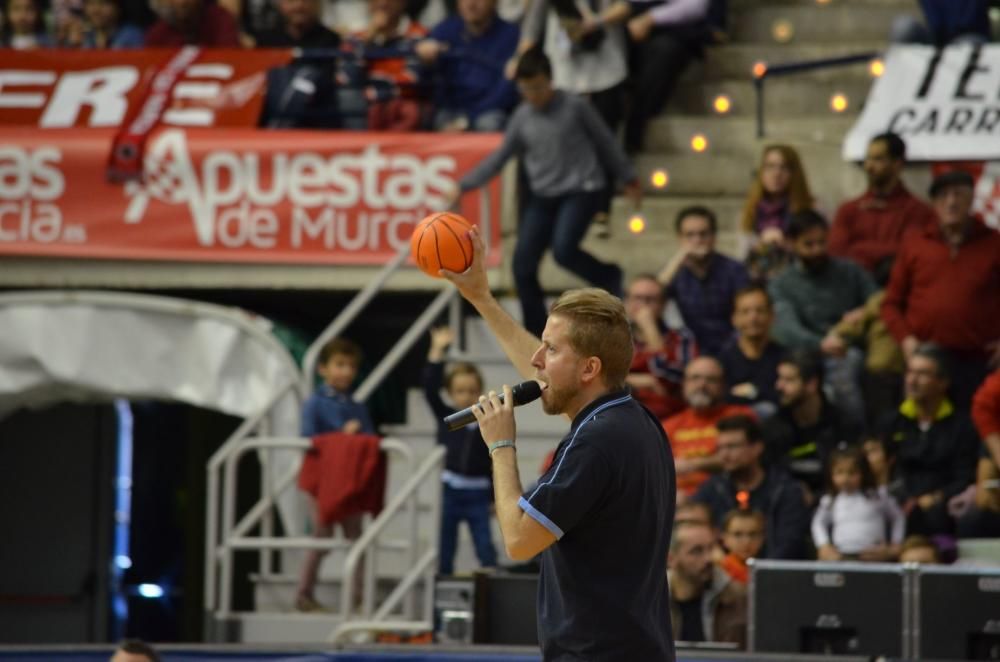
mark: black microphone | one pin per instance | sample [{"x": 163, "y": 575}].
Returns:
[{"x": 524, "y": 393}]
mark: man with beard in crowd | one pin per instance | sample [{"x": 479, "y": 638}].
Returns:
[
  {"x": 811, "y": 297},
  {"x": 868, "y": 229}
]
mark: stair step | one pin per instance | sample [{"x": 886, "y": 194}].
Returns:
[
  {"x": 691, "y": 174},
  {"x": 737, "y": 136},
  {"x": 783, "y": 96},
  {"x": 280, "y": 627},
  {"x": 816, "y": 23},
  {"x": 660, "y": 212}
]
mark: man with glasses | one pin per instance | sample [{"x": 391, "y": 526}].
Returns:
[
  {"x": 746, "y": 484},
  {"x": 936, "y": 444},
  {"x": 661, "y": 353},
  {"x": 692, "y": 433},
  {"x": 702, "y": 281}
]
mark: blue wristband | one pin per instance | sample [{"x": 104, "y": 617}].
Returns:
[{"x": 503, "y": 443}]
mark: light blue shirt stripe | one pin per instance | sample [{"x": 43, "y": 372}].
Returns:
[
  {"x": 525, "y": 504},
  {"x": 536, "y": 515}
]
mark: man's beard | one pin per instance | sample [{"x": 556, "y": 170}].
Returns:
[
  {"x": 790, "y": 403},
  {"x": 815, "y": 265},
  {"x": 554, "y": 400},
  {"x": 700, "y": 400},
  {"x": 879, "y": 182}
]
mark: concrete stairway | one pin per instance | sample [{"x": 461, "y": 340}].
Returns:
[
  {"x": 797, "y": 112},
  {"x": 276, "y": 621}
]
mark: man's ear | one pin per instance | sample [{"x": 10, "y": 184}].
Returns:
[{"x": 591, "y": 370}]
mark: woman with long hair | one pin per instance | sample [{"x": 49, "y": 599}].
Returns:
[{"x": 779, "y": 190}]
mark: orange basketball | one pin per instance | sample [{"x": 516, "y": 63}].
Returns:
[{"x": 441, "y": 241}]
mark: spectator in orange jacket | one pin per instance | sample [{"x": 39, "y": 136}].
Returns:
[{"x": 692, "y": 433}]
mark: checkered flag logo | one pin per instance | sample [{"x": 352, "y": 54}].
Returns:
[
  {"x": 169, "y": 176},
  {"x": 987, "y": 199}
]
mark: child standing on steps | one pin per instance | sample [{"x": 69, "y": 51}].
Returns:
[
  {"x": 468, "y": 489},
  {"x": 332, "y": 409}
]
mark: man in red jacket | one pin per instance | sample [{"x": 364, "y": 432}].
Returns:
[
  {"x": 868, "y": 229},
  {"x": 945, "y": 287}
]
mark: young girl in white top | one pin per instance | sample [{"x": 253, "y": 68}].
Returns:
[{"x": 856, "y": 519}]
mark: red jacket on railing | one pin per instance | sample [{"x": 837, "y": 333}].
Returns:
[{"x": 345, "y": 473}]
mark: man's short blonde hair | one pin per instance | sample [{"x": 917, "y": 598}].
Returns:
[{"x": 598, "y": 327}]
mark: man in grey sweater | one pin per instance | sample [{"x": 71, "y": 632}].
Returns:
[{"x": 565, "y": 149}]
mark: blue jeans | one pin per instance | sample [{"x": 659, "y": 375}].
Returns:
[
  {"x": 560, "y": 222},
  {"x": 473, "y": 506}
]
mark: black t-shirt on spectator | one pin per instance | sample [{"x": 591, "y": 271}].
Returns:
[
  {"x": 762, "y": 372},
  {"x": 692, "y": 629},
  {"x": 803, "y": 450},
  {"x": 609, "y": 500},
  {"x": 316, "y": 37}
]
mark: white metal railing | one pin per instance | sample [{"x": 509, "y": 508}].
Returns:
[
  {"x": 236, "y": 535},
  {"x": 422, "y": 567},
  {"x": 221, "y": 542}
]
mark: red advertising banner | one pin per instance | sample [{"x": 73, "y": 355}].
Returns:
[
  {"x": 235, "y": 195},
  {"x": 56, "y": 89}
]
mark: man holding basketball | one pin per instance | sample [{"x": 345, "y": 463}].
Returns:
[{"x": 601, "y": 515}]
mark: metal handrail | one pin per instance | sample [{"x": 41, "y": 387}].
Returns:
[
  {"x": 233, "y": 539},
  {"x": 433, "y": 461},
  {"x": 365, "y": 296},
  {"x": 790, "y": 68},
  {"x": 213, "y": 496},
  {"x": 337, "y": 326}
]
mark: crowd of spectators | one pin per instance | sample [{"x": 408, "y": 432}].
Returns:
[
  {"x": 443, "y": 65},
  {"x": 861, "y": 357},
  {"x": 829, "y": 394}
]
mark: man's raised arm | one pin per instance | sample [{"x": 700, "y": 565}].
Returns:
[{"x": 517, "y": 342}]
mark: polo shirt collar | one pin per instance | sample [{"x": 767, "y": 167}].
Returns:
[
  {"x": 331, "y": 392},
  {"x": 897, "y": 191},
  {"x": 909, "y": 409},
  {"x": 611, "y": 399}
]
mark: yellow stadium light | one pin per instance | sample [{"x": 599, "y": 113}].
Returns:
[
  {"x": 838, "y": 102},
  {"x": 759, "y": 69},
  {"x": 659, "y": 178},
  {"x": 822, "y": 2},
  {"x": 876, "y": 68},
  {"x": 782, "y": 30},
  {"x": 722, "y": 104},
  {"x": 636, "y": 224},
  {"x": 699, "y": 143}
]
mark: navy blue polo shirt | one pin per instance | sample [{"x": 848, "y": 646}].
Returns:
[{"x": 608, "y": 497}]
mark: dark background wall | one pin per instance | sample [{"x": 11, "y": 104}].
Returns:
[{"x": 55, "y": 522}]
